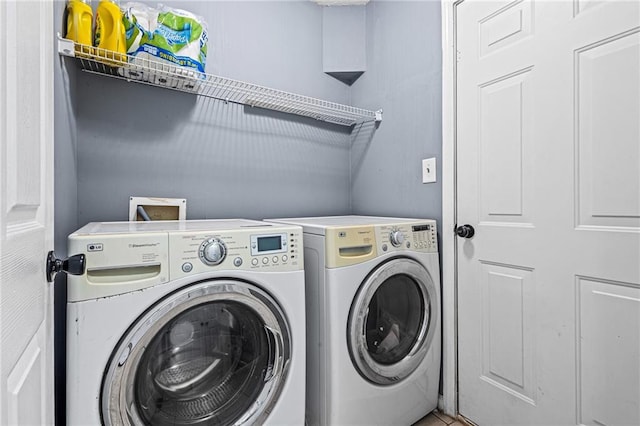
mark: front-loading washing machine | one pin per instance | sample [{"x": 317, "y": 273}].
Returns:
[
  {"x": 373, "y": 319},
  {"x": 186, "y": 323}
]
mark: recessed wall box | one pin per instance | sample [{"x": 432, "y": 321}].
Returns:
[{"x": 153, "y": 208}]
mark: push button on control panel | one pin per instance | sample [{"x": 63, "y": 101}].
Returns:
[
  {"x": 254, "y": 261},
  {"x": 187, "y": 267},
  {"x": 237, "y": 261}
]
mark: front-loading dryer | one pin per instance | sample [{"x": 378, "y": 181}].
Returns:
[
  {"x": 373, "y": 319},
  {"x": 186, "y": 323}
]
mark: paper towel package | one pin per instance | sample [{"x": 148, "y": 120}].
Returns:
[{"x": 170, "y": 45}]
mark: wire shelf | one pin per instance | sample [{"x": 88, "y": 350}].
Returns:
[{"x": 155, "y": 73}]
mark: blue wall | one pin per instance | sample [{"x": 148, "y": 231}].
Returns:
[
  {"x": 404, "y": 77},
  {"x": 116, "y": 139},
  {"x": 227, "y": 160}
]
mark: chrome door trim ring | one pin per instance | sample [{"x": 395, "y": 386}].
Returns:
[
  {"x": 116, "y": 407},
  {"x": 356, "y": 338}
]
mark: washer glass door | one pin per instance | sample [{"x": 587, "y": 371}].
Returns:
[
  {"x": 392, "y": 321},
  {"x": 214, "y": 353}
]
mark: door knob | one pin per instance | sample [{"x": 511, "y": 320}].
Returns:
[
  {"x": 465, "y": 231},
  {"x": 73, "y": 265}
]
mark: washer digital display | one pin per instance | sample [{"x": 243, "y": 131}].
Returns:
[{"x": 268, "y": 244}]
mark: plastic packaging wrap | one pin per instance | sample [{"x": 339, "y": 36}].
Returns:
[{"x": 174, "y": 38}]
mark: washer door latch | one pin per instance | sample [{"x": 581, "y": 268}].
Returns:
[{"x": 74, "y": 265}]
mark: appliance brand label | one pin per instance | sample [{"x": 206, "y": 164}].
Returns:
[{"x": 144, "y": 245}]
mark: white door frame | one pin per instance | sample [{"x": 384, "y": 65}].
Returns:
[{"x": 449, "y": 403}]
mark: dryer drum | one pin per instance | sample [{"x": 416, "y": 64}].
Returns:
[
  {"x": 392, "y": 321},
  {"x": 205, "y": 355}
]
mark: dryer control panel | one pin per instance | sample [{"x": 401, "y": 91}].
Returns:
[
  {"x": 267, "y": 250},
  {"x": 419, "y": 236},
  {"x": 350, "y": 245}
]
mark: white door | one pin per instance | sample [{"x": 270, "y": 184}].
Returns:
[
  {"x": 26, "y": 212},
  {"x": 548, "y": 174}
]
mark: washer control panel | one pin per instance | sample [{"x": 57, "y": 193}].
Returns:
[
  {"x": 268, "y": 250},
  {"x": 420, "y": 236}
]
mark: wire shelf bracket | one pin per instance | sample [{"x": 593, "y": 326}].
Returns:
[{"x": 155, "y": 73}]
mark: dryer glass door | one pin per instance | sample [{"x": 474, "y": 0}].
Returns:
[
  {"x": 392, "y": 321},
  {"x": 212, "y": 354}
]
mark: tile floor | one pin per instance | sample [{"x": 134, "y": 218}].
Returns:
[{"x": 437, "y": 418}]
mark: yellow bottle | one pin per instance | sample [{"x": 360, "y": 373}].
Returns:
[
  {"x": 79, "y": 25},
  {"x": 109, "y": 35}
]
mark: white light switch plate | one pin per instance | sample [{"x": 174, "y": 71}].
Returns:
[{"x": 428, "y": 170}]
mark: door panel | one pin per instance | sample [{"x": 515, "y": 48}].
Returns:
[
  {"x": 548, "y": 172},
  {"x": 506, "y": 26},
  {"x": 505, "y": 126},
  {"x": 607, "y": 352},
  {"x": 26, "y": 212},
  {"x": 607, "y": 111},
  {"x": 24, "y": 382},
  {"x": 23, "y": 156},
  {"x": 507, "y": 328}
]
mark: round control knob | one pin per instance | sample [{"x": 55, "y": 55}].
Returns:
[
  {"x": 212, "y": 251},
  {"x": 396, "y": 238}
]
